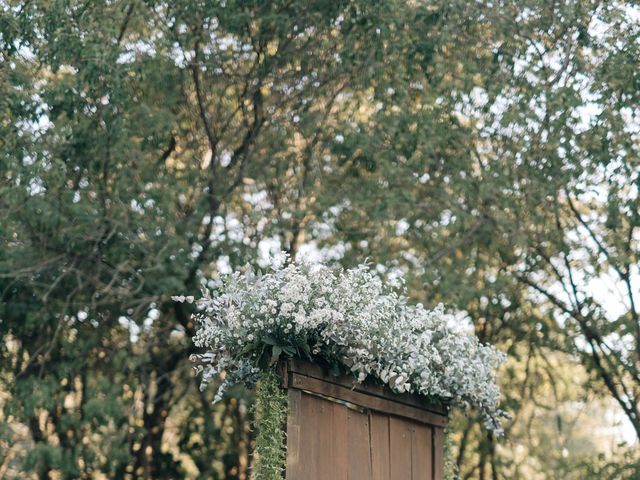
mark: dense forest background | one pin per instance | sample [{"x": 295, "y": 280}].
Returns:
[{"x": 487, "y": 153}]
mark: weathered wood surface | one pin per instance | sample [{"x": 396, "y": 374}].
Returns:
[
  {"x": 314, "y": 371},
  {"x": 340, "y": 431}
]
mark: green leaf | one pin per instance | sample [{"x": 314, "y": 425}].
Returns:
[
  {"x": 275, "y": 354},
  {"x": 304, "y": 346},
  {"x": 250, "y": 347},
  {"x": 264, "y": 360},
  {"x": 269, "y": 340}
]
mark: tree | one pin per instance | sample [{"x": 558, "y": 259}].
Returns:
[
  {"x": 525, "y": 204},
  {"x": 147, "y": 146},
  {"x": 123, "y": 166}
]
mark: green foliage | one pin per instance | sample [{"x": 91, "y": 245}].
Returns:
[
  {"x": 486, "y": 151},
  {"x": 450, "y": 468},
  {"x": 627, "y": 467},
  {"x": 270, "y": 418}
]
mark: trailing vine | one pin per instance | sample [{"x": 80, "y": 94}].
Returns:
[
  {"x": 450, "y": 468},
  {"x": 270, "y": 413}
]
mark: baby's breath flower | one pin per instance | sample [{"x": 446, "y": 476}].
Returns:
[{"x": 349, "y": 316}]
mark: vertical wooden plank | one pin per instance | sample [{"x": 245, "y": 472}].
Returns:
[
  {"x": 421, "y": 452},
  {"x": 332, "y": 453},
  {"x": 359, "y": 462},
  {"x": 400, "y": 448},
  {"x": 438, "y": 453},
  {"x": 310, "y": 428},
  {"x": 325, "y": 438},
  {"x": 293, "y": 471},
  {"x": 339, "y": 458},
  {"x": 379, "y": 432}
]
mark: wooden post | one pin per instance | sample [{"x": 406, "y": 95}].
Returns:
[{"x": 339, "y": 430}]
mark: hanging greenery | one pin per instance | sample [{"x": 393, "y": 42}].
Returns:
[{"x": 270, "y": 414}]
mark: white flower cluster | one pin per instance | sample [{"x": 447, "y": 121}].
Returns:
[{"x": 348, "y": 317}]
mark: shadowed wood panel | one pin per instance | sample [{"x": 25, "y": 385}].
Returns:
[
  {"x": 400, "y": 448},
  {"x": 379, "y": 433},
  {"x": 332, "y": 456},
  {"x": 335, "y": 433},
  {"x": 438, "y": 453},
  {"x": 379, "y": 404},
  {"x": 294, "y": 468},
  {"x": 359, "y": 467},
  {"x": 421, "y": 452},
  {"x": 311, "y": 426},
  {"x": 315, "y": 371},
  {"x": 317, "y": 443},
  {"x": 341, "y": 440}
]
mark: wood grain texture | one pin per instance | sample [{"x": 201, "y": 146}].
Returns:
[
  {"x": 421, "y": 452},
  {"x": 400, "y": 448},
  {"x": 359, "y": 467},
  {"x": 438, "y": 453},
  {"x": 294, "y": 468},
  {"x": 339, "y": 457},
  {"x": 333, "y": 438},
  {"x": 379, "y": 440},
  {"x": 315, "y": 371},
  {"x": 339, "y": 433},
  {"x": 310, "y": 428},
  {"x": 380, "y": 404}
]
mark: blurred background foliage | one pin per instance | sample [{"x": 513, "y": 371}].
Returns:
[{"x": 484, "y": 152}]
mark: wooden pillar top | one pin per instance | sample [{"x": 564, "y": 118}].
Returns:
[{"x": 308, "y": 377}]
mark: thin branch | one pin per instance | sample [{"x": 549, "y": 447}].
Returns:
[
  {"x": 195, "y": 72},
  {"x": 125, "y": 23}
]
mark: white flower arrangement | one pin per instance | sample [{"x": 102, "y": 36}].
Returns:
[{"x": 346, "y": 319}]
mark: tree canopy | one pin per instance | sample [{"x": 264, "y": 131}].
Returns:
[{"x": 484, "y": 152}]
